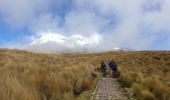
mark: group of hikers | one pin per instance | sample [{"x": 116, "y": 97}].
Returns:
[{"x": 112, "y": 66}]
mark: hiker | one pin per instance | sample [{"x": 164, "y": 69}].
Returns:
[
  {"x": 113, "y": 67},
  {"x": 103, "y": 69}
]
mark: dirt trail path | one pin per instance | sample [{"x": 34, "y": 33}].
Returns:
[{"x": 109, "y": 89}]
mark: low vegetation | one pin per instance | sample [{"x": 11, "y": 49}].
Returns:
[
  {"x": 147, "y": 73},
  {"x": 34, "y": 76}
]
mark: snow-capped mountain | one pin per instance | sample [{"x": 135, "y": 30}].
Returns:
[
  {"x": 121, "y": 49},
  {"x": 60, "y": 43},
  {"x": 53, "y": 42}
]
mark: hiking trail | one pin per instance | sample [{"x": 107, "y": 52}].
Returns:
[{"x": 109, "y": 89}]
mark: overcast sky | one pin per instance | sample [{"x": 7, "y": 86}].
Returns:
[{"x": 133, "y": 24}]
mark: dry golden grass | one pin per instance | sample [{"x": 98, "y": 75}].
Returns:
[
  {"x": 147, "y": 73},
  {"x": 34, "y": 76}
]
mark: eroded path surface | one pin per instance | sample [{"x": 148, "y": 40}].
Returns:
[{"x": 109, "y": 89}]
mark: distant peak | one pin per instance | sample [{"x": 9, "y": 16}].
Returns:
[
  {"x": 121, "y": 49},
  {"x": 60, "y": 42}
]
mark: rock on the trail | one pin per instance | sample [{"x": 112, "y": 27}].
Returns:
[{"x": 109, "y": 89}]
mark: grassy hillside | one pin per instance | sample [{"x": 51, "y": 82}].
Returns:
[
  {"x": 34, "y": 76},
  {"x": 148, "y": 73}
]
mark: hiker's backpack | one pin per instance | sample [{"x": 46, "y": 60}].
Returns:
[
  {"x": 115, "y": 66},
  {"x": 103, "y": 66}
]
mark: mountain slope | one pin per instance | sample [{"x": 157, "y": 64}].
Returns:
[
  {"x": 59, "y": 43},
  {"x": 64, "y": 76}
]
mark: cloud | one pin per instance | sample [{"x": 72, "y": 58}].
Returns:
[
  {"x": 19, "y": 13},
  {"x": 49, "y": 41},
  {"x": 139, "y": 24}
]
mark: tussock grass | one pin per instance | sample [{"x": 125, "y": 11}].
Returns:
[
  {"x": 33, "y": 76},
  {"x": 38, "y": 76},
  {"x": 147, "y": 73}
]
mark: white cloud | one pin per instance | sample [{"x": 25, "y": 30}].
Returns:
[
  {"x": 82, "y": 22},
  {"x": 19, "y": 13},
  {"x": 48, "y": 37},
  {"x": 49, "y": 41},
  {"x": 134, "y": 24}
]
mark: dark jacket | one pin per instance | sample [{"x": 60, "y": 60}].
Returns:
[
  {"x": 103, "y": 66},
  {"x": 113, "y": 65}
]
